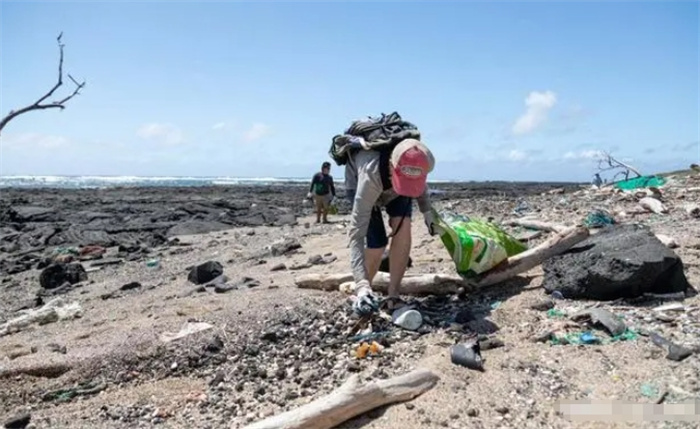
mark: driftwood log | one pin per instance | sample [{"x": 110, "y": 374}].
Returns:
[
  {"x": 531, "y": 258},
  {"x": 445, "y": 284},
  {"x": 537, "y": 224},
  {"x": 350, "y": 400}
]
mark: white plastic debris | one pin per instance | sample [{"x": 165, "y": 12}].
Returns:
[
  {"x": 407, "y": 318},
  {"x": 693, "y": 210},
  {"x": 347, "y": 288},
  {"x": 669, "y": 242},
  {"x": 653, "y": 205},
  {"x": 188, "y": 328},
  {"x": 674, "y": 306}
]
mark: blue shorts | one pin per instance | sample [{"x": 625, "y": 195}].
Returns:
[{"x": 376, "y": 233}]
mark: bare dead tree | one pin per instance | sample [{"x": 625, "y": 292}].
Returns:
[
  {"x": 606, "y": 162},
  {"x": 40, "y": 103}
]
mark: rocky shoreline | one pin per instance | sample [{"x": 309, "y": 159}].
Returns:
[{"x": 138, "y": 219}]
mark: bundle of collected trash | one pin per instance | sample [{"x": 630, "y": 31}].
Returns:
[
  {"x": 381, "y": 133},
  {"x": 476, "y": 246}
]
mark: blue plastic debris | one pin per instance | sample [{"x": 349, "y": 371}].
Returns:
[{"x": 589, "y": 338}]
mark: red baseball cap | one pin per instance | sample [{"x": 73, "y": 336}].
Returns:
[{"x": 411, "y": 161}]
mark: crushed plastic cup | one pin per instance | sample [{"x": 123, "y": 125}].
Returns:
[{"x": 153, "y": 264}]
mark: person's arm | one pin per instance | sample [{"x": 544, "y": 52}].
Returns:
[
  {"x": 427, "y": 211},
  {"x": 424, "y": 202},
  {"x": 332, "y": 186},
  {"x": 369, "y": 189},
  {"x": 314, "y": 179}
]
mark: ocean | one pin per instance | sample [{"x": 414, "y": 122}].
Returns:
[{"x": 97, "y": 182}]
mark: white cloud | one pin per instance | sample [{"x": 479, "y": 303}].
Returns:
[
  {"x": 517, "y": 155},
  {"x": 32, "y": 141},
  {"x": 537, "y": 106},
  {"x": 256, "y": 132},
  {"x": 163, "y": 133},
  {"x": 218, "y": 126},
  {"x": 584, "y": 154}
]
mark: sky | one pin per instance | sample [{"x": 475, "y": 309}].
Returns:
[{"x": 500, "y": 90}]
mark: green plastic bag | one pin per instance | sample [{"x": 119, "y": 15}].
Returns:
[
  {"x": 640, "y": 182},
  {"x": 476, "y": 246}
]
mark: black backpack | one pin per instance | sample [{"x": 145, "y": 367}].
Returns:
[{"x": 381, "y": 134}]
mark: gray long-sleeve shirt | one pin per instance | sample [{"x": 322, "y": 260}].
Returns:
[{"x": 363, "y": 168}]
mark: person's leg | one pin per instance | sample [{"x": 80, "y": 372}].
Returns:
[
  {"x": 376, "y": 243},
  {"x": 319, "y": 207},
  {"x": 326, "y": 206},
  {"x": 399, "y": 211}
]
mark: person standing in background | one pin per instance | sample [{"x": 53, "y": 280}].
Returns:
[{"x": 322, "y": 191}]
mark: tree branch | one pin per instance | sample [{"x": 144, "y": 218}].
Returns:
[
  {"x": 606, "y": 162},
  {"x": 59, "y": 104}
]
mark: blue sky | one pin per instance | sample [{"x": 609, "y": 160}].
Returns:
[{"x": 500, "y": 90}]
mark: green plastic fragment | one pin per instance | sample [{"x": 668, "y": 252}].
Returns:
[
  {"x": 628, "y": 335},
  {"x": 649, "y": 390},
  {"x": 554, "y": 313}
]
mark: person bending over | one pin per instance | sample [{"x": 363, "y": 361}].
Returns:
[{"x": 404, "y": 179}]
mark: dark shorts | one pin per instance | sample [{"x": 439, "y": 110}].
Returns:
[{"x": 376, "y": 233}]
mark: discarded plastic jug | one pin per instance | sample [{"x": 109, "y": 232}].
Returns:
[
  {"x": 467, "y": 355},
  {"x": 407, "y": 318}
]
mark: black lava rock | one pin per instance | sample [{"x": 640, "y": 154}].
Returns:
[
  {"x": 129, "y": 286},
  {"x": 56, "y": 275},
  {"x": 20, "y": 421},
  {"x": 206, "y": 272},
  {"x": 622, "y": 261}
]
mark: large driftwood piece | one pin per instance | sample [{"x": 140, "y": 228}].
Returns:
[
  {"x": 423, "y": 284},
  {"x": 531, "y": 258},
  {"x": 536, "y": 224},
  {"x": 350, "y": 400},
  {"x": 442, "y": 284}
]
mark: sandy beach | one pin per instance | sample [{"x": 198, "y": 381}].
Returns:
[{"x": 269, "y": 346}]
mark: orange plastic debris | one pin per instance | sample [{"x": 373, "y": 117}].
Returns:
[{"x": 362, "y": 350}]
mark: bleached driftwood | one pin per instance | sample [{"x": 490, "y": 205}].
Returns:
[
  {"x": 350, "y": 400},
  {"x": 536, "y": 224},
  {"x": 442, "y": 284},
  {"x": 531, "y": 258},
  {"x": 52, "y": 311}
]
